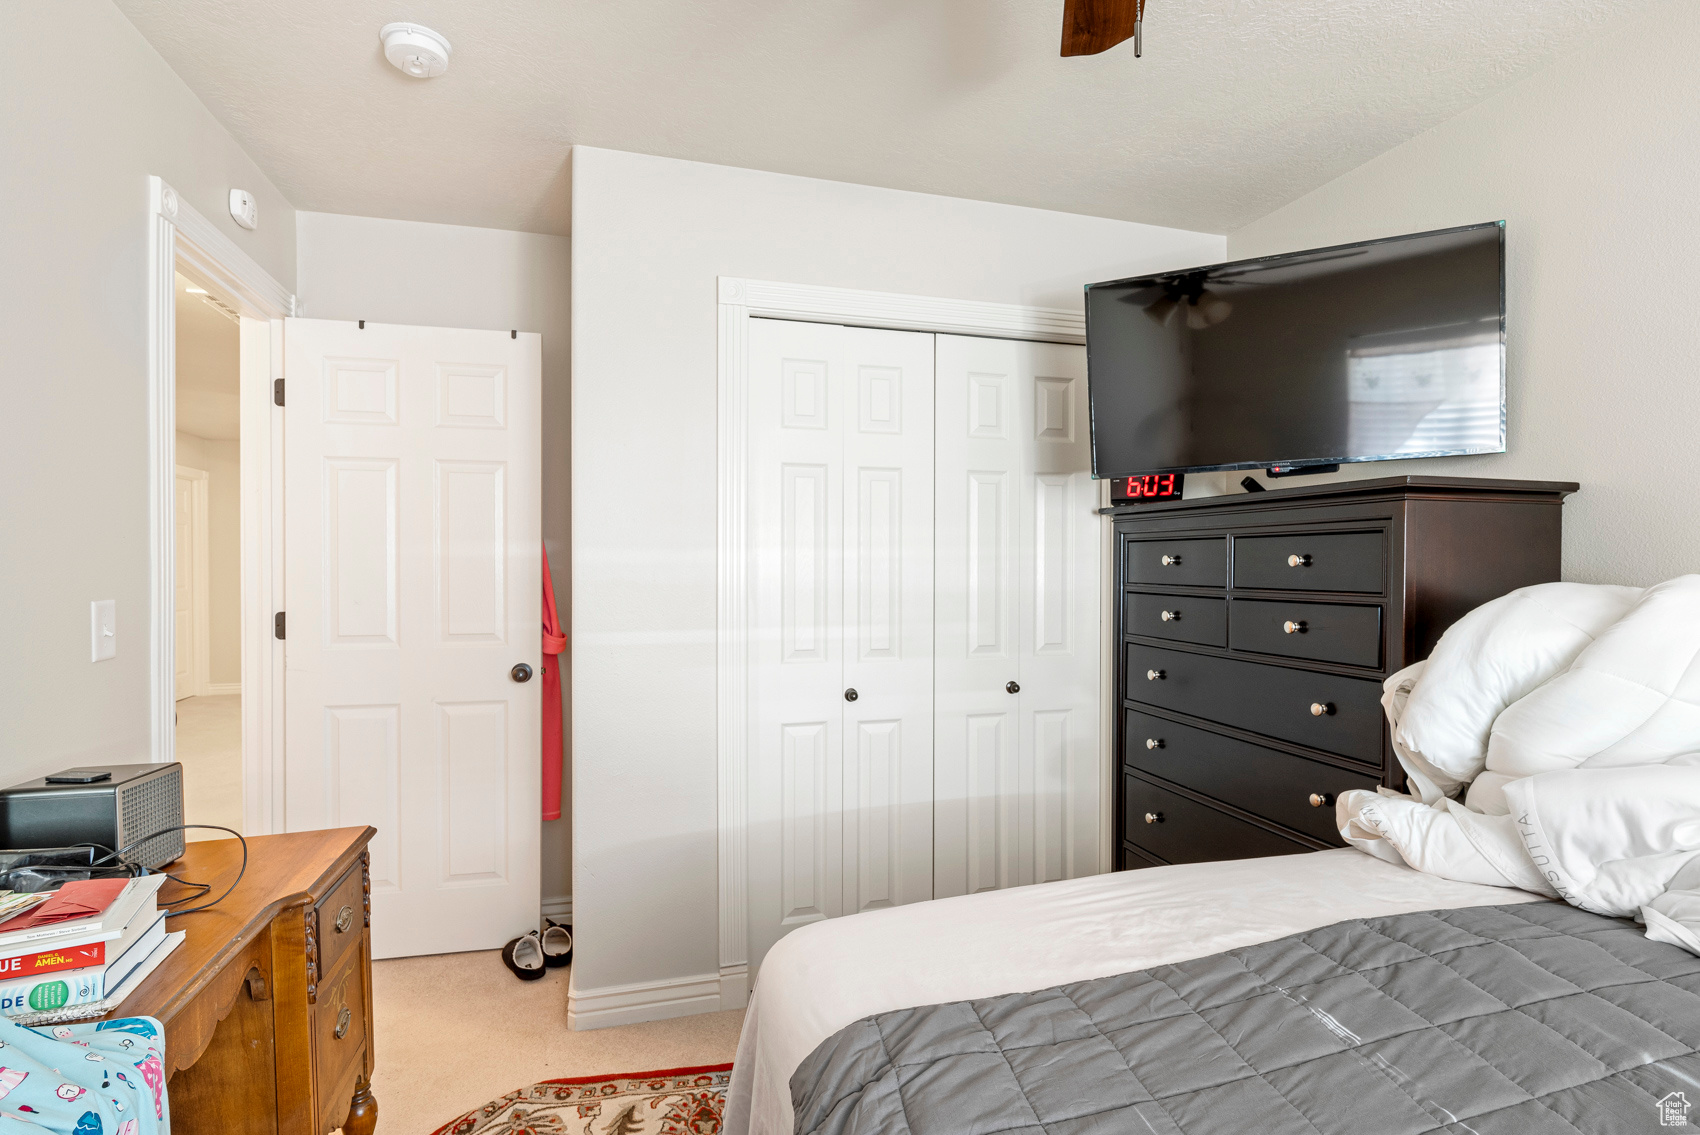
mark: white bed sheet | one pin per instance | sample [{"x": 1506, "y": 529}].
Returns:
[{"x": 826, "y": 975}]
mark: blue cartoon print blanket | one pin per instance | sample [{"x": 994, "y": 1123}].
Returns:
[{"x": 93, "y": 1078}]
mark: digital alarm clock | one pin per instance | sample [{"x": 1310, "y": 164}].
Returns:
[{"x": 1150, "y": 487}]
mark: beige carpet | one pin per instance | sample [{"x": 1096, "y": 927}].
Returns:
[
  {"x": 455, "y": 1031},
  {"x": 209, "y": 745}
]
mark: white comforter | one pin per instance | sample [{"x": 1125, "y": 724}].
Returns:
[
  {"x": 826, "y": 975},
  {"x": 1568, "y": 717}
]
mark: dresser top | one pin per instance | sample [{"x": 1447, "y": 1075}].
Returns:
[
  {"x": 281, "y": 870},
  {"x": 1487, "y": 488}
]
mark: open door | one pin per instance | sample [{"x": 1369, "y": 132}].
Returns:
[{"x": 413, "y": 546}]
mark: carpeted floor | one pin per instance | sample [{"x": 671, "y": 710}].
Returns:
[
  {"x": 456, "y": 1031},
  {"x": 209, "y": 744}
]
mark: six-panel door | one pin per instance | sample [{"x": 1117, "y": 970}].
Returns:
[{"x": 413, "y": 477}]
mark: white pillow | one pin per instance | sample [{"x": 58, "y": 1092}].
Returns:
[
  {"x": 1631, "y": 698},
  {"x": 1487, "y": 660}
]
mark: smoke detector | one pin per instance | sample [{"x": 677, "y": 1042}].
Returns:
[{"x": 415, "y": 50}]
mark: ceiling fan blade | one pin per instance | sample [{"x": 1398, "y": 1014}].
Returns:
[{"x": 1091, "y": 26}]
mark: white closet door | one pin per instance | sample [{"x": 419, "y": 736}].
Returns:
[
  {"x": 414, "y": 587},
  {"x": 840, "y": 499},
  {"x": 888, "y": 618},
  {"x": 1061, "y": 534},
  {"x": 977, "y": 736},
  {"x": 1017, "y": 740}
]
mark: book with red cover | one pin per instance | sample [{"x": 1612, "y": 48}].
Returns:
[{"x": 32, "y": 962}]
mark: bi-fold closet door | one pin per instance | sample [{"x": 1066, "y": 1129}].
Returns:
[
  {"x": 924, "y": 651},
  {"x": 1017, "y": 768},
  {"x": 841, "y": 575}
]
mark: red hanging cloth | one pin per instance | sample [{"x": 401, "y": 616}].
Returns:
[{"x": 554, "y": 642}]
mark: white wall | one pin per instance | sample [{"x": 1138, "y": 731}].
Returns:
[
  {"x": 87, "y": 111},
  {"x": 452, "y": 276},
  {"x": 650, "y": 236},
  {"x": 1593, "y": 164},
  {"x": 221, "y": 461}
]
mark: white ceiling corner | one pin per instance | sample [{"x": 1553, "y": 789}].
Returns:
[{"x": 1236, "y": 108}]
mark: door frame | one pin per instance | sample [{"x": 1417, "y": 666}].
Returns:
[
  {"x": 200, "y": 615},
  {"x": 180, "y": 239},
  {"x": 741, "y": 300}
]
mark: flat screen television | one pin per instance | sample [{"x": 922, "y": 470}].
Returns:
[{"x": 1363, "y": 352}]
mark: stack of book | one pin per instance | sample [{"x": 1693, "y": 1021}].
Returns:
[{"x": 83, "y": 951}]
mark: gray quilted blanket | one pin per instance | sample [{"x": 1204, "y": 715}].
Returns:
[{"x": 1493, "y": 1020}]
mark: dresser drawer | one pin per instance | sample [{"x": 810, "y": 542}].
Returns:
[
  {"x": 1265, "y": 782},
  {"x": 342, "y": 919},
  {"x": 1177, "y": 617},
  {"x": 1327, "y": 632},
  {"x": 1179, "y": 830},
  {"x": 340, "y": 1031},
  {"x": 1178, "y": 563},
  {"x": 1336, "y": 561},
  {"x": 1324, "y": 711}
]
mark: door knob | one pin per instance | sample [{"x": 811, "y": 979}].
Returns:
[
  {"x": 520, "y": 673},
  {"x": 851, "y": 694},
  {"x": 1012, "y": 687}
]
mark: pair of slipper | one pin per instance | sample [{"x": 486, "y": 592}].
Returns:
[{"x": 532, "y": 952}]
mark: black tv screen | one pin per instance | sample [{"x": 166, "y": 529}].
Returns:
[{"x": 1365, "y": 352}]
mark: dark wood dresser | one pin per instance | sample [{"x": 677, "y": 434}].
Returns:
[{"x": 1255, "y": 631}]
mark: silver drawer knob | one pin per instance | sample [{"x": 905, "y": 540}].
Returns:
[
  {"x": 1171, "y": 561},
  {"x": 1317, "y": 708},
  {"x": 1171, "y": 616},
  {"x": 1153, "y": 817},
  {"x": 1154, "y": 675},
  {"x": 1298, "y": 561},
  {"x": 1153, "y": 742},
  {"x": 1294, "y": 626},
  {"x": 1321, "y": 799}
]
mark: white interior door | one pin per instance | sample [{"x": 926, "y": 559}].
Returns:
[
  {"x": 1017, "y": 750},
  {"x": 413, "y": 576},
  {"x": 841, "y": 500}
]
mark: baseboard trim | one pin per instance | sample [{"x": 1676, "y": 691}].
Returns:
[
  {"x": 220, "y": 689},
  {"x": 734, "y": 987},
  {"x": 646, "y": 1001},
  {"x": 560, "y": 909}
]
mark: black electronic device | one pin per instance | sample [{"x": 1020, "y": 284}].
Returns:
[
  {"x": 1365, "y": 352},
  {"x": 120, "y": 811},
  {"x": 1151, "y": 487}
]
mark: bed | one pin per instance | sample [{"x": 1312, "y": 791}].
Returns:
[{"x": 836, "y": 1002}]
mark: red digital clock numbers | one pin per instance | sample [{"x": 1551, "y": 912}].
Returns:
[{"x": 1152, "y": 486}]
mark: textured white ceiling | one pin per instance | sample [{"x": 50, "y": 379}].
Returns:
[{"x": 1238, "y": 106}]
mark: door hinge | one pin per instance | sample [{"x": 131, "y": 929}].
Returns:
[
  {"x": 277, "y": 391},
  {"x": 277, "y": 625}
]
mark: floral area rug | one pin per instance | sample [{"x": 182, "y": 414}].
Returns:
[{"x": 676, "y": 1101}]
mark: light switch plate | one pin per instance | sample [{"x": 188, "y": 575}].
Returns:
[{"x": 103, "y": 629}]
